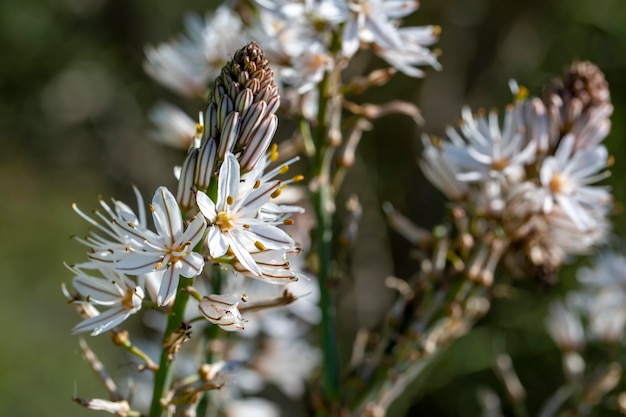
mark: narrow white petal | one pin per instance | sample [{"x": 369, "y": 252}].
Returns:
[
  {"x": 102, "y": 322},
  {"x": 244, "y": 257},
  {"x": 194, "y": 232},
  {"x": 228, "y": 182},
  {"x": 271, "y": 236},
  {"x": 207, "y": 206},
  {"x": 167, "y": 291},
  {"x": 138, "y": 263},
  {"x": 217, "y": 242},
  {"x": 166, "y": 213}
]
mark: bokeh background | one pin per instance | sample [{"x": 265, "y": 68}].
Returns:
[{"x": 73, "y": 104}]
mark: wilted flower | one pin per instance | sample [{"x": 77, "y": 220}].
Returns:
[{"x": 222, "y": 310}]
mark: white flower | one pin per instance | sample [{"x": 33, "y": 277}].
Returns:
[
  {"x": 170, "y": 249},
  {"x": 251, "y": 407},
  {"x": 106, "y": 240},
  {"x": 411, "y": 51},
  {"x": 566, "y": 178},
  {"x": 234, "y": 222},
  {"x": 222, "y": 310},
  {"x": 565, "y": 327},
  {"x": 602, "y": 297},
  {"x": 440, "y": 172},
  {"x": 485, "y": 151},
  {"x": 371, "y": 21},
  {"x": 188, "y": 64},
  {"x": 173, "y": 126},
  {"x": 115, "y": 291}
]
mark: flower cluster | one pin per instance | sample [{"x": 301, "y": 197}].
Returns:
[
  {"x": 533, "y": 176},
  {"x": 224, "y": 212},
  {"x": 299, "y": 37}
]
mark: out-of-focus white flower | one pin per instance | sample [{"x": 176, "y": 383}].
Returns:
[
  {"x": 565, "y": 327},
  {"x": 286, "y": 363},
  {"x": 308, "y": 68},
  {"x": 372, "y": 21},
  {"x": 173, "y": 126},
  {"x": 251, "y": 407},
  {"x": 566, "y": 178},
  {"x": 170, "y": 249},
  {"x": 233, "y": 219},
  {"x": 187, "y": 65},
  {"x": 485, "y": 151},
  {"x": 119, "y": 294},
  {"x": 602, "y": 297},
  {"x": 440, "y": 172},
  {"x": 222, "y": 310},
  {"x": 412, "y": 51}
]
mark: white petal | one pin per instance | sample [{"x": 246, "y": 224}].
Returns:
[
  {"x": 217, "y": 242},
  {"x": 102, "y": 322},
  {"x": 272, "y": 237},
  {"x": 191, "y": 265},
  {"x": 194, "y": 232},
  {"x": 167, "y": 217},
  {"x": 207, "y": 206},
  {"x": 136, "y": 263},
  {"x": 228, "y": 181},
  {"x": 167, "y": 292},
  {"x": 98, "y": 290},
  {"x": 244, "y": 257}
]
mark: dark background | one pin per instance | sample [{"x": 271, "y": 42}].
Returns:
[{"x": 73, "y": 104}]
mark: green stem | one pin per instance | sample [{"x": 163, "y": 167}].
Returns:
[
  {"x": 321, "y": 198},
  {"x": 163, "y": 377}
]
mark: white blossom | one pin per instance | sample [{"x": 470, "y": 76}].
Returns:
[
  {"x": 566, "y": 178},
  {"x": 233, "y": 219},
  {"x": 170, "y": 249},
  {"x": 114, "y": 291}
]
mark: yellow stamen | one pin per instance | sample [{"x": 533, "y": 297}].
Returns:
[
  {"x": 276, "y": 193},
  {"x": 297, "y": 178},
  {"x": 288, "y": 221},
  {"x": 224, "y": 221},
  {"x": 259, "y": 245},
  {"x": 229, "y": 200},
  {"x": 522, "y": 93},
  {"x": 283, "y": 169},
  {"x": 257, "y": 184}
]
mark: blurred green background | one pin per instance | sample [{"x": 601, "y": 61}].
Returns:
[{"x": 73, "y": 103}]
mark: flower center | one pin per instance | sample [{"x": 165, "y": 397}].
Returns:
[
  {"x": 557, "y": 184},
  {"x": 500, "y": 164},
  {"x": 132, "y": 299},
  {"x": 225, "y": 221}
]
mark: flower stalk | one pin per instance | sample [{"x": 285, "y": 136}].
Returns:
[{"x": 163, "y": 376}]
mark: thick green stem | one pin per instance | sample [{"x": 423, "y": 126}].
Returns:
[
  {"x": 328, "y": 331},
  {"x": 163, "y": 377},
  {"x": 322, "y": 199}
]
